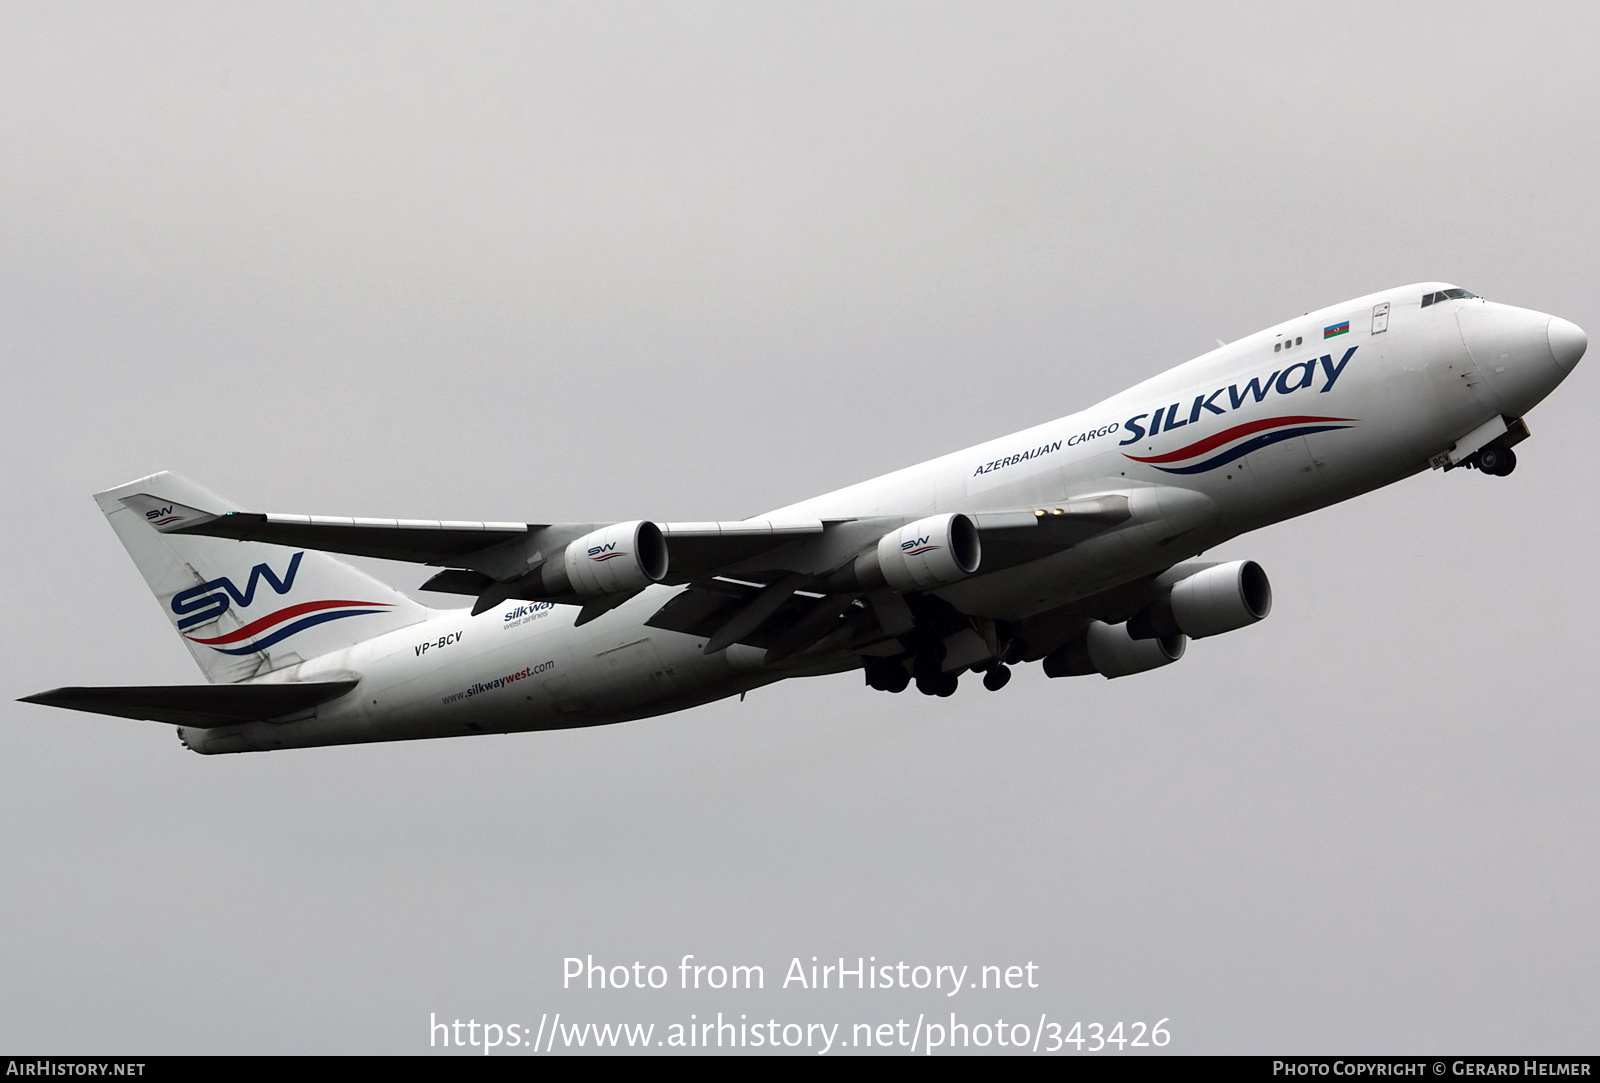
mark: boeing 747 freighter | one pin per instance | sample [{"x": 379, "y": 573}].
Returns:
[{"x": 1070, "y": 544}]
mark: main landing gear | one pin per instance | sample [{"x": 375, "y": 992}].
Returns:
[
  {"x": 925, "y": 655},
  {"x": 890, "y": 675},
  {"x": 932, "y": 680},
  {"x": 996, "y": 676},
  {"x": 887, "y": 675}
]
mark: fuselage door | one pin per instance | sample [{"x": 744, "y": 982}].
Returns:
[{"x": 1380, "y": 318}]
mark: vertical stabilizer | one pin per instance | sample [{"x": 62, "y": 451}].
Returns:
[{"x": 246, "y": 608}]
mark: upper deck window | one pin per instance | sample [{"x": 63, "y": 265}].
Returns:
[{"x": 1445, "y": 295}]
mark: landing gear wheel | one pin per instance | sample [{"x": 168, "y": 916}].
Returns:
[
  {"x": 1497, "y": 461},
  {"x": 938, "y": 684},
  {"x": 996, "y": 678},
  {"x": 886, "y": 675}
]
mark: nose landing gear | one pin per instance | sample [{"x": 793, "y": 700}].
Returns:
[{"x": 1496, "y": 461}]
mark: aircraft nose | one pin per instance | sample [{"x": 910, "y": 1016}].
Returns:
[
  {"x": 1522, "y": 355},
  {"x": 1567, "y": 342}
]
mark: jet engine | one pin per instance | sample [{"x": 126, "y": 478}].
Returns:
[
  {"x": 1219, "y": 599},
  {"x": 921, "y": 555},
  {"x": 620, "y": 558},
  {"x": 1110, "y": 650}
]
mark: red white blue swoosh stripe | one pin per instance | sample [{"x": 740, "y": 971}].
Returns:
[
  {"x": 276, "y": 627},
  {"x": 1239, "y": 441}
]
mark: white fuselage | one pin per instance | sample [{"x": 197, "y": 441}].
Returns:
[{"x": 1338, "y": 412}]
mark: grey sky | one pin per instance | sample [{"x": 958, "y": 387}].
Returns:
[{"x": 695, "y": 261}]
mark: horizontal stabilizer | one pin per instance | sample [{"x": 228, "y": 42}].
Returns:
[{"x": 199, "y": 705}]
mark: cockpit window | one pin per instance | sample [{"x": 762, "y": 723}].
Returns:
[{"x": 1445, "y": 295}]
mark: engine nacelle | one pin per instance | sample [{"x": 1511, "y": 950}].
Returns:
[
  {"x": 928, "y": 553},
  {"x": 1108, "y": 649},
  {"x": 1219, "y": 599},
  {"x": 612, "y": 560}
]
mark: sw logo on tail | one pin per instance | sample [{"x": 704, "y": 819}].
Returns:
[{"x": 206, "y": 603}]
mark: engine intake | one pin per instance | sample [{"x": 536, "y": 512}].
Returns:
[
  {"x": 1219, "y": 599},
  {"x": 1110, "y": 650},
  {"x": 612, "y": 560},
  {"x": 928, "y": 553}
]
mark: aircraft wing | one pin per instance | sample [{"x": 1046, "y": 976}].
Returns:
[
  {"x": 785, "y": 614},
  {"x": 479, "y": 553},
  {"x": 698, "y": 549},
  {"x": 496, "y": 561},
  {"x": 422, "y": 541}
]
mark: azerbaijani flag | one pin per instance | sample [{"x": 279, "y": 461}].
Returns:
[{"x": 1336, "y": 329}]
